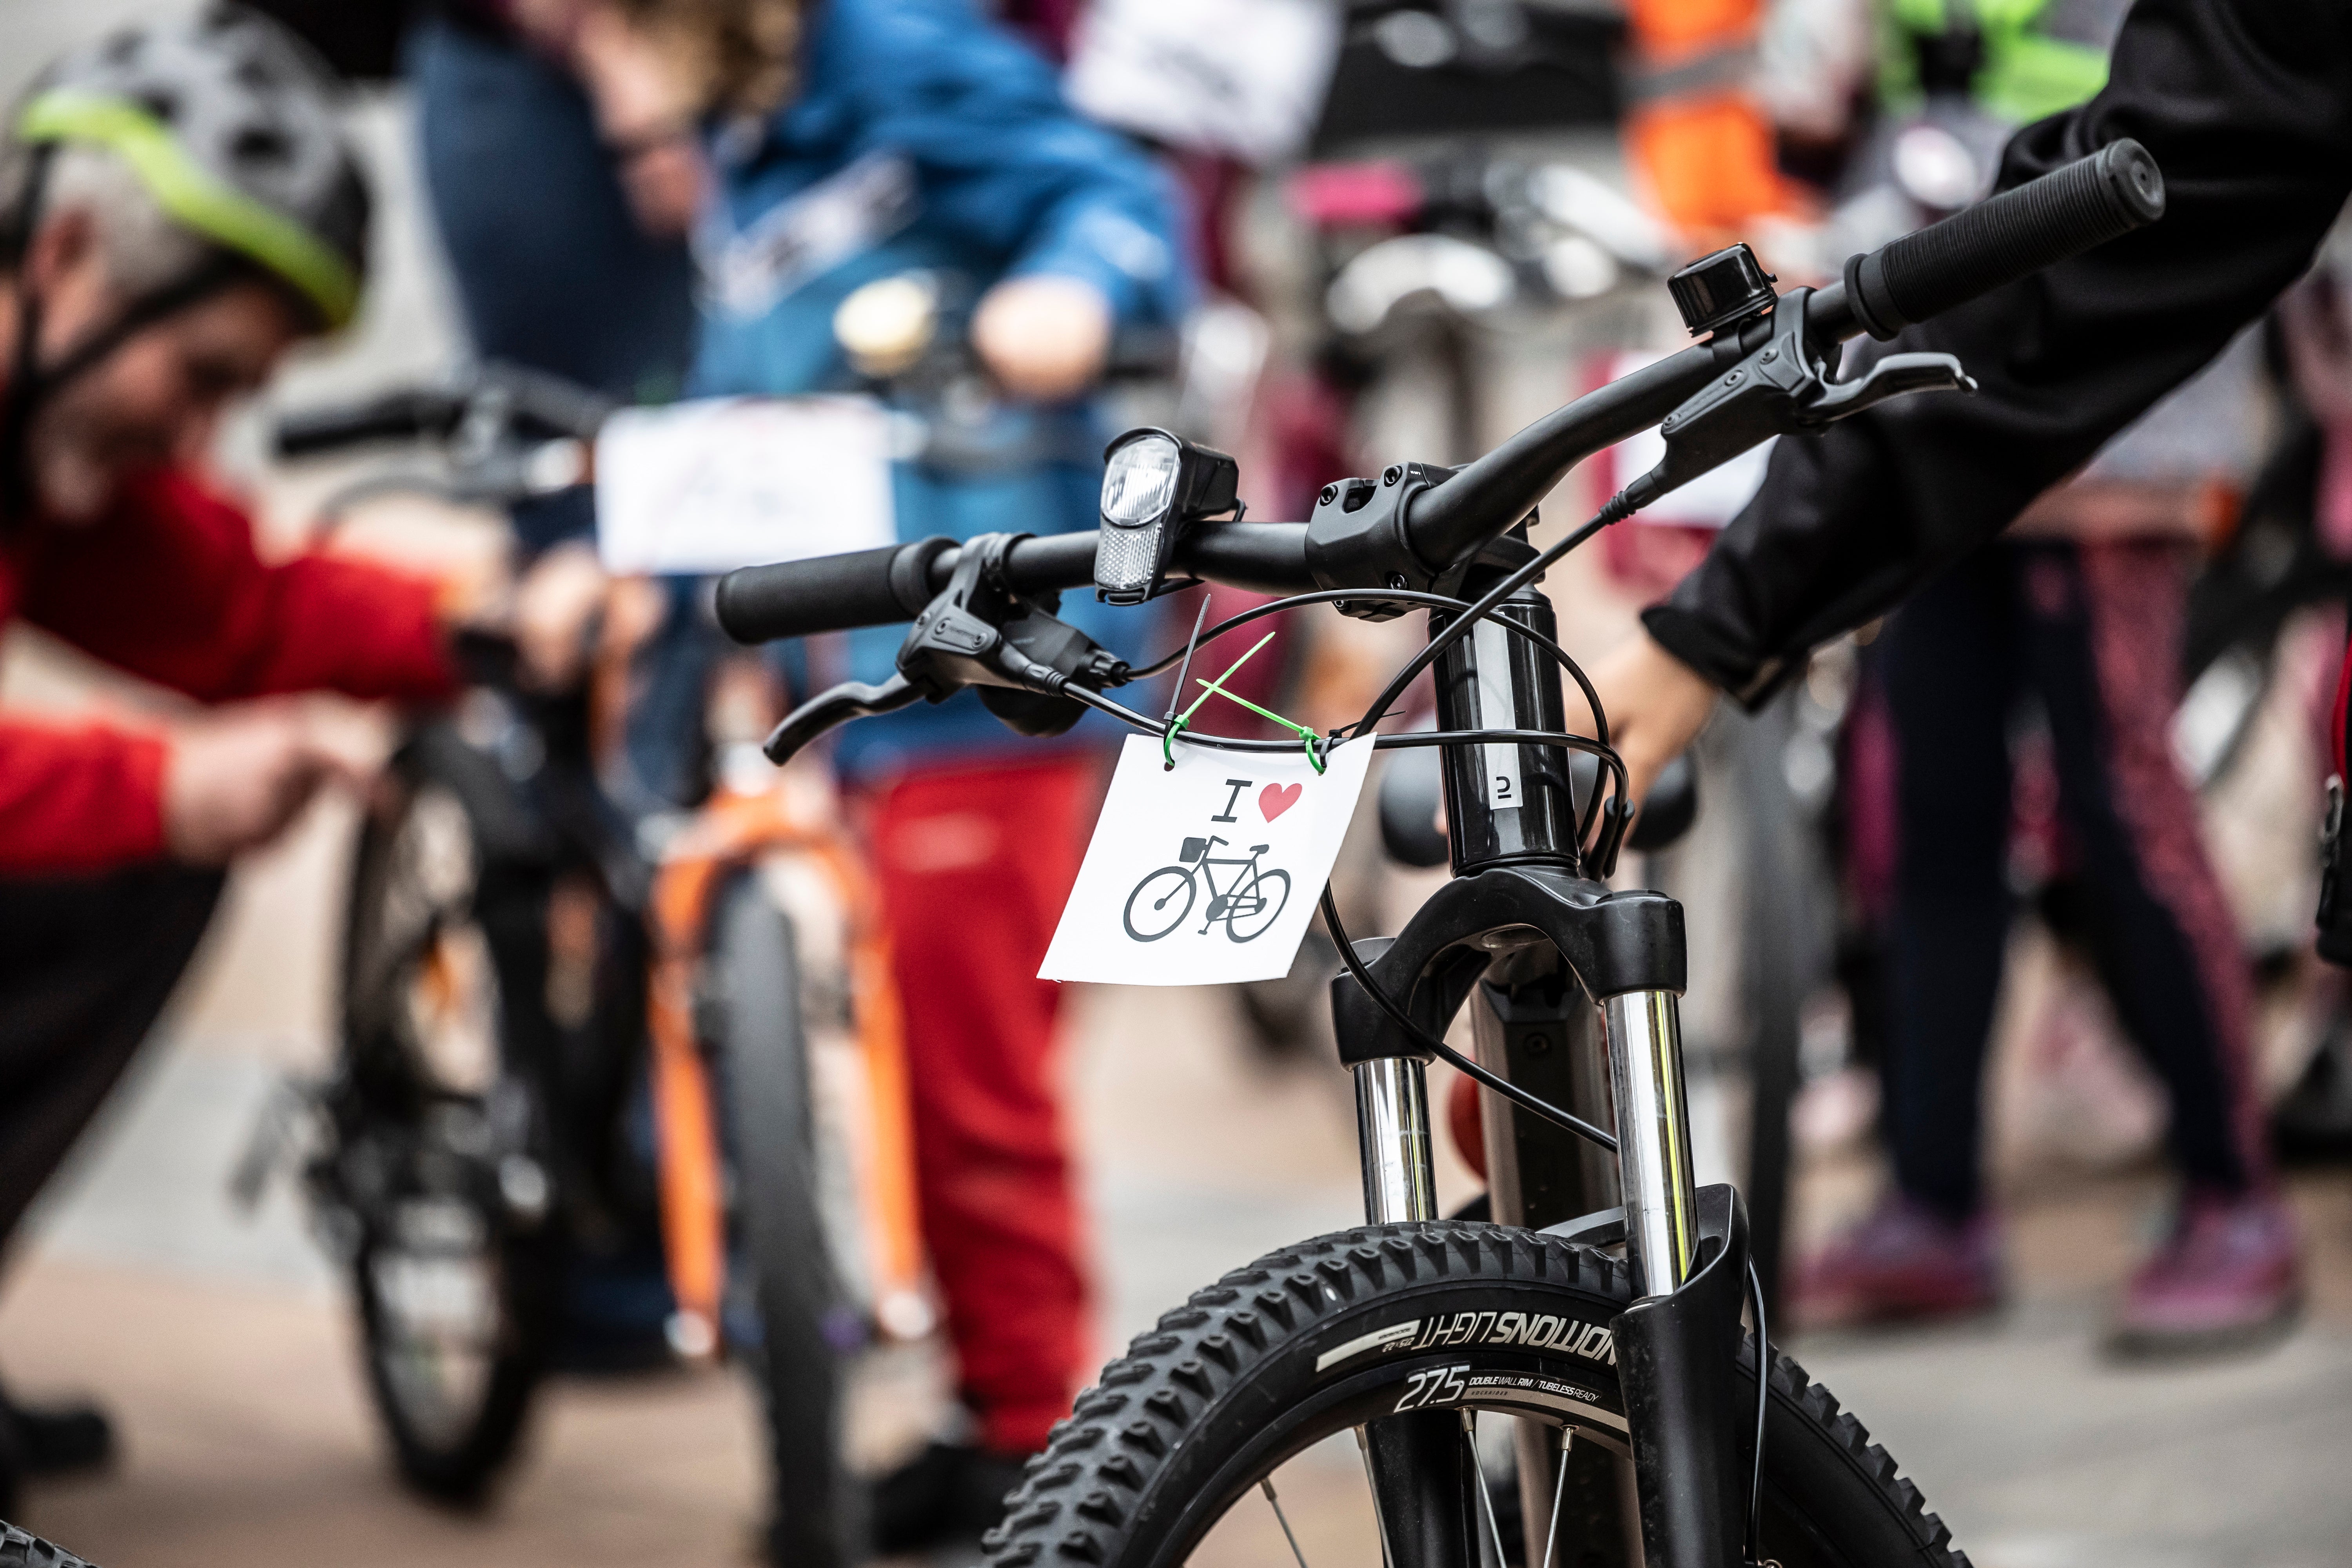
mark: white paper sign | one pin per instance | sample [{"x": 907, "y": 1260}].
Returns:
[
  {"x": 1243, "y": 77},
  {"x": 716, "y": 483},
  {"x": 1209, "y": 874}
]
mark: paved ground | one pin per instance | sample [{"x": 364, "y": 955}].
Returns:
[{"x": 222, "y": 1343}]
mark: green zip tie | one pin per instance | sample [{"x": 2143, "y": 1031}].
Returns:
[
  {"x": 1180, "y": 720},
  {"x": 1301, "y": 731},
  {"x": 1216, "y": 688},
  {"x": 1213, "y": 685}
]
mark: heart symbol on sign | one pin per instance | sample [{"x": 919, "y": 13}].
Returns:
[{"x": 1275, "y": 799}]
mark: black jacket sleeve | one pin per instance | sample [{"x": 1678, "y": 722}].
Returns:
[{"x": 2247, "y": 106}]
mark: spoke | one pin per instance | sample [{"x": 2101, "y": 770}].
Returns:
[
  {"x": 1380, "y": 1525},
  {"x": 1266, "y": 1486},
  {"x": 1485, "y": 1503},
  {"x": 1559, "y": 1486}
]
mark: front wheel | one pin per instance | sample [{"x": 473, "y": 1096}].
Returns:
[
  {"x": 807, "y": 1328},
  {"x": 1234, "y": 1430},
  {"x": 434, "y": 1172}
]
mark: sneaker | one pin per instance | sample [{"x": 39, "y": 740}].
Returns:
[
  {"x": 48, "y": 1440},
  {"x": 1903, "y": 1263},
  {"x": 2229, "y": 1277},
  {"x": 61, "y": 1440},
  {"x": 949, "y": 1493}
]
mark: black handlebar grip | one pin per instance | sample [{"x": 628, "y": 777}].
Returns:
[
  {"x": 401, "y": 417},
  {"x": 828, "y": 593},
  {"x": 2064, "y": 213}
]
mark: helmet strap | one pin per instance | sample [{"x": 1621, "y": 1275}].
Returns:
[{"x": 24, "y": 372}]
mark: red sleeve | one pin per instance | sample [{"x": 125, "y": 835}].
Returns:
[
  {"x": 77, "y": 800},
  {"x": 168, "y": 587}
]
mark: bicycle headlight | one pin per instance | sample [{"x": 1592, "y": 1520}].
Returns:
[{"x": 1155, "y": 486}]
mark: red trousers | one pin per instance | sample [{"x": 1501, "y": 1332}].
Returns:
[{"x": 975, "y": 862}]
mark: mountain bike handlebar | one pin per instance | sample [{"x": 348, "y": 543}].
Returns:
[
  {"x": 403, "y": 416},
  {"x": 2000, "y": 241},
  {"x": 534, "y": 401},
  {"x": 882, "y": 587}
]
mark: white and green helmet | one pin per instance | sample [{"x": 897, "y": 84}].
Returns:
[{"x": 230, "y": 125}]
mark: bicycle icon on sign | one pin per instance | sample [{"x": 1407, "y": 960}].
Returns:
[{"x": 1248, "y": 904}]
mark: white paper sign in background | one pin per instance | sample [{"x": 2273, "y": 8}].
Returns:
[
  {"x": 712, "y": 484},
  {"x": 1209, "y": 874},
  {"x": 1243, "y": 77}
]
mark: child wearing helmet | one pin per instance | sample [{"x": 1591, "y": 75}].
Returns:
[{"x": 909, "y": 144}]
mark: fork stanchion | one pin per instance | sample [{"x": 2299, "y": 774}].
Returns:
[
  {"x": 1654, "y": 1156},
  {"x": 1392, "y": 1127}
]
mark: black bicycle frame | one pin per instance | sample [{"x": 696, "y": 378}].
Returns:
[{"x": 1574, "y": 992}]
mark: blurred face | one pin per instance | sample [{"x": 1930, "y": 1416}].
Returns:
[{"x": 155, "y": 399}]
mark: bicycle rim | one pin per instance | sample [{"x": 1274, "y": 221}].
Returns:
[{"x": 454, "y": 1292}]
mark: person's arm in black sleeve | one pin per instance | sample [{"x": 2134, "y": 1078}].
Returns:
[{"x": 2247, "y": 106}]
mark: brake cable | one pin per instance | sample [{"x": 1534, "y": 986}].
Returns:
[
  {"x": 1566, "y": 1120},
  {"x": 1597, "y": 745},
  {"x": 1763, "y": 1405},
  {"x": 1617, "y": 509}
]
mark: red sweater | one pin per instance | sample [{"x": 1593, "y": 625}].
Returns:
[{"x": 167, "y": 586}]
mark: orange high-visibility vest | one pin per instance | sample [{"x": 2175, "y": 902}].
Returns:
[{"x": 1696, "y": 134}]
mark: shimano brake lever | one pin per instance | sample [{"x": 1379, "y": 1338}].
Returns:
[
  {"x": 831, "y": 709},
  {"x": 1779, "y": 387},
  {"x": 1893, "y": 376},
  {"x": 975, "y": 633}
]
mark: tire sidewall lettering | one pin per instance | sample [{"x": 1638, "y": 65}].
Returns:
[{"x": 1451, "y": 1328}]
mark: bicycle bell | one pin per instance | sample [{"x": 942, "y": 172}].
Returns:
[{"x": 1724, "y": 289}]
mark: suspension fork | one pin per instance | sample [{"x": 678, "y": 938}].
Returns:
[
  {"x": 1654, "y": 1156},
  {"x": 1512, "y": 814},
  {"x": 1533, "y": 1024}
]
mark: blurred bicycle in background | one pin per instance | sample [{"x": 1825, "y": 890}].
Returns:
[{"x": 604, "y": 1067}]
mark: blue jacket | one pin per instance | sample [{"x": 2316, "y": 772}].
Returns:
[{"x": 922, "y": 137}]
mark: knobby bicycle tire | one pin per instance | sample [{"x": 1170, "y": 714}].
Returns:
[
  {"x": 451, "y": 1460},
  {"x": 23, "y": 1548},
  {"x": 764, "y": 1071},
  {"x": 1278, "y": 1355}
]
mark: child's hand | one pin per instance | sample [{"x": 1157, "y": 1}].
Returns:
[
  {"x": 1042, "y": 337},
  {"x": 1656, "y": 705}
]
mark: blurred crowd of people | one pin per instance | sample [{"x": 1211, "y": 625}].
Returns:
[{"x": 668, "y": 199}]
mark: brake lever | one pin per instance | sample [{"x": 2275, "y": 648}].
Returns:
[
  {"x": 831, "y": 709},
  {"x": 1893, "y": 376},
  {"x": 975, "y": 633},
  {"x": 1781, "y": 386}
]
